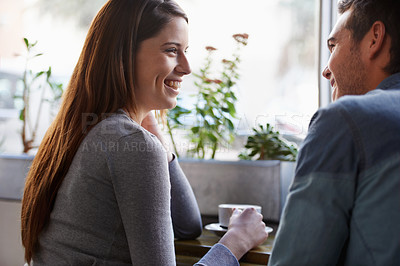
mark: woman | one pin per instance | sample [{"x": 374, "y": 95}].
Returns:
[{"x": 103, "y": 189}]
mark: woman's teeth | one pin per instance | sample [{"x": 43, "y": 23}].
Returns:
[{"x": 174, "y": 84}]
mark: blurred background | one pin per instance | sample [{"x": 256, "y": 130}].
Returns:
[{"x": 279, "y": 73}]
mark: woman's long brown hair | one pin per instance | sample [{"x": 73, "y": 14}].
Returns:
[{"x": 101, "y": 83}]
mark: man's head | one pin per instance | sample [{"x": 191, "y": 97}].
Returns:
[{"x": 365, "y": 46}]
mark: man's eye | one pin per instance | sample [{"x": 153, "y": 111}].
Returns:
[{"x": 331, "y": 47}]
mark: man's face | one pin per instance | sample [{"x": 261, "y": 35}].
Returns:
[{"x": 345, "y": 68}]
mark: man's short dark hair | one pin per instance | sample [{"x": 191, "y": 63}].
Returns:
[{"x": 365, "y": 13}]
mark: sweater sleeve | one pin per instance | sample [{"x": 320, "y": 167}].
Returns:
[
  {"x": 139, "y": 173},
  {"x": 218, "y": 255},
  {"x": 186, "y": 218}
]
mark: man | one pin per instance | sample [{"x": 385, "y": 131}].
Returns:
[{"x": 344, "y": 204}]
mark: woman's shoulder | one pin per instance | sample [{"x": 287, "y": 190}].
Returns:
[
  {"x": 119, "y": 126},
  {"x": 119, "y": 135}
]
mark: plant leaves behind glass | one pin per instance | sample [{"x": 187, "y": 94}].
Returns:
[
  {"x": 34, "y": 82},
  {"x": 26, "y": 42},
  {"x": 215, "y": 106},
  {"x": 268, "y": 145},
  {"x": 21, "y": 115}
]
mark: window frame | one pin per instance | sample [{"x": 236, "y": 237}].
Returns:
[{"x": 327, "y": 20}]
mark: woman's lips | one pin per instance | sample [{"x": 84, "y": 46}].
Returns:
[{"x": 172, "y": 86}]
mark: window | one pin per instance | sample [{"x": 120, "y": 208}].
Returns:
[
  {"x": 280, "y": 68},
  {"x": 279, "y": 79}
]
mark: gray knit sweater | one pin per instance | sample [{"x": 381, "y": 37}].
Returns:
[{"x": 121, "y": 203}]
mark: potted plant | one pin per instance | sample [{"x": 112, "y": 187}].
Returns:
[
  {"x": 41, "y": 85},
  {"x": 268, "y": 144},
  {"x": 38, "y": 90},
  {"x": 215, "y": 105},
  {"x": 261, "y": 177},
  {"x": 33, "y": 82},
  {"x": 212, "y": 128}
]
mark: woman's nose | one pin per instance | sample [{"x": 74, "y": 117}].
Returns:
[{"x": 183, "y": 65}]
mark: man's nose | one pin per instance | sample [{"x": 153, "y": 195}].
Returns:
[{"x": 326, "y": 73}]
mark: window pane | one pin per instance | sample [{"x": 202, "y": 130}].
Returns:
[{"x": 279, "y": 72}]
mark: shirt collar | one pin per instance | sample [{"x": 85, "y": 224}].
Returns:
[{"x": 390, "y": 82}]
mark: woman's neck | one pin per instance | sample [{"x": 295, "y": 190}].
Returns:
[{"x": 136, "y": 116}]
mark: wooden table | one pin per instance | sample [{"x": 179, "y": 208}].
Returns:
[{"x": 189, "y": 252}]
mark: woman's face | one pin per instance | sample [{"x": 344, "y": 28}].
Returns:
[{"x": 160, "y": 65}]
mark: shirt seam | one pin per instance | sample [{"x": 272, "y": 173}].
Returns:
[
  {"x": 356, "y": 227},
  {"x": 355, "y": 132}
]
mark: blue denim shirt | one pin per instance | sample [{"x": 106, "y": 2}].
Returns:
[{"x": 344, "y": 203}]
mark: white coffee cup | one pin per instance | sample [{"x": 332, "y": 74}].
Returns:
[{"x": 225, "y": 212}]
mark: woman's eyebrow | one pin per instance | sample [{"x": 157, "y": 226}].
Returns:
[{"x": 171, "y": 43}]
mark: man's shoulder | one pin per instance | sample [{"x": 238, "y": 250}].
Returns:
[
  {"x": 353, "y": 102},
  {"x": 359, "y": 107}
]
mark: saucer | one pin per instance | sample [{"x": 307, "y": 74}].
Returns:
[{"x": 219, "y": 231}]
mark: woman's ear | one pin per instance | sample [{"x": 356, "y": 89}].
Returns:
[{"x": 376, "y": 38}]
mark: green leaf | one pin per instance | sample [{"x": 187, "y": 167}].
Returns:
[
  {"x": 195, "y": 129},
  {"x": 48, "y": 72},
  {"x": 26, "y": 42},
  {"x": 22, "y": 114},
  {"x": 244, "y": 156},
  {"x": 254, "y": 152},
  {"x": 38, "y": 74},
  {"x": 232, "y": 109},
  {"x": 212, "y": 137},
  {"x": 224, "y": 109},
  {"x": 231, "y": 127},
  {"x": 269, "y": 145}
]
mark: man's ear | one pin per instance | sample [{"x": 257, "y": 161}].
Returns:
[{"x": 376, "y": 37}]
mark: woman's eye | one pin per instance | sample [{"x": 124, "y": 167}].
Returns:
[{"x": 172, "y": 50}]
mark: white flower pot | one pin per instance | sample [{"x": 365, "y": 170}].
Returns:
[{"x": 246, "y": 182}]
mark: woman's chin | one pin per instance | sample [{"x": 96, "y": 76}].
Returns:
[
  {"x": 172, "y": 104},
  {"x": 169, "y": 105}
]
